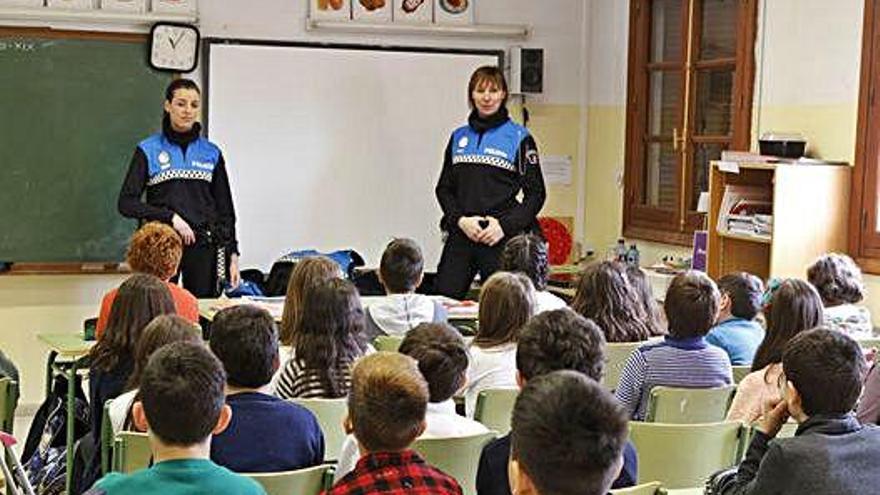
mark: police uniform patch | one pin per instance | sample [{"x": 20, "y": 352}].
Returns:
[
  {"x": 463, "y": 142},
  {"x": 532, "y": 157},
  {"x": 164, "y": 160}
]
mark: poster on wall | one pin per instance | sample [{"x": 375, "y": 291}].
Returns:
[
  {"x": 371, "y": 10},
  {"x": 454, "y": 11},
  {"x": 413, "y": 11},
  {"x": 336, "y": 10}
]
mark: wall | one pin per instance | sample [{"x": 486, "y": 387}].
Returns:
[{"x": 34, "y": 304}]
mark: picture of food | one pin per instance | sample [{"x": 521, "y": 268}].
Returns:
[
  {"x": 410, "y": 6},
  {"x": 372, "y": 5},
  {"x": 454, "y": 6},
  {"x": 330, "y": 4}
]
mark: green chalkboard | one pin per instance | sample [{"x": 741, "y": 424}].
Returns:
[{"x": 71, "y": 112}]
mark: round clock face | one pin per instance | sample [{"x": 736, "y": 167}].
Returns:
[{"x": 174, "y": 47}]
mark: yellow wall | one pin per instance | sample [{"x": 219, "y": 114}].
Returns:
[{"x": 830, "y": 129}]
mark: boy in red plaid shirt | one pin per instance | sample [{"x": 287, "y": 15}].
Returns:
[{"x": 386, "y": 412}]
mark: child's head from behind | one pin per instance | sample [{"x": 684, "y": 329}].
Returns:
[
  {"x": 837, "y": 278},
  {"x": 826, "y": 368},
  {"x": 795, "y": 306},
  {"x": 645, "y": 294},
  {"x": 163, "y": 330},
  {"x": 400, "y": 269},
  {"x": 560, "y": 340},
  {"x": 567, "y": 436},
  {"x": 741, "y": 295},
  {"x": 691, "y": 304},
  {"x": 182, "y": 397},
  {"x": 442, "y": 356},
  {"x": 507, "y": 301},
  {"x": 307, "y": 273},
  {"x": 139, "y": 299},
  {"x": 156, "y": 249},
  {"x": 245, "y": 340},
  {"x": 527, "y": 253},
  {"x": 387, "y": 402},
  {"x": 605, "y": 296}
]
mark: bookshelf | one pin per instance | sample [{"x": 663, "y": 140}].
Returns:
[{"x": 810, "y": 205}]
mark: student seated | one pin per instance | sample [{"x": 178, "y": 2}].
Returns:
[
  {"x": 684, "y": 358},
  {"x": 327, "y": 340},
  {"x": 507, "y": 301},
  {"x": 181, "y": 406},
  {"x": 527, "y": 253},
  {"x": 308, "y": 273},
  {"x": 386, "y": 413},
  {"x": 400, "y": 272},
  {"x": 831, "y": 453},
  {"x": 154, "y": 249},
  {"x": 442, "y": 358},
  {"x": 839, "y": 282},
  {"x": 736, "y": 330},
  {"x": 163, "y": 330},
  {"x": 638, "y": 279},
  {"x": 567, "y": 437},
  {"x": 266, "y": 434},
  {"x": 553, "y": 340},
  {"x": 794, "y": 306},
  {"x": 605, "y": 295}
]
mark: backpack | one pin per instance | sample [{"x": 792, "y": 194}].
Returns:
[{"x": 276, "y": 282}]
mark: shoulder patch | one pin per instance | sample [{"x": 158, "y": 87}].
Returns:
[{"x": 532, "y": 157}]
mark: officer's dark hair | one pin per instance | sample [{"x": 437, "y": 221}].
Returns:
[
  {"x": 401, "y": 266},
  {"x": 180, "y": 84},
  {"x": 487, "y": 73},
  {"x": 245, "y": 339}
]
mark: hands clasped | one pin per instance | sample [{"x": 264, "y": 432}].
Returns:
[{"x": 483, "y": 230}]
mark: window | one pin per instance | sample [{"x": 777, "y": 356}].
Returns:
[
  {"x": 691, "y": 67},
  {"x": 864, "y": 225}
]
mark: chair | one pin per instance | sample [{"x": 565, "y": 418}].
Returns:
[
  {"x": 494, "y": 407},
  {"x": 684, "y": 456},
  {"x": 651, "y": 488},
  {"x": 740, "y": 372},
  {"x": 131, "y": 452},
  {"x": 688, "y": 405},
  {"x": 306, "y": 481},
  {"x": 330, "y": 414},
  {"x": 458, "y": 457},
  {"x": 616, "y": 354},
  {"x": 388, "y": 343},
  {"x": 8, "y": 403}
]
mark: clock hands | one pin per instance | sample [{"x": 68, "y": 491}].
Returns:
[{"x": 174, "y": 42}]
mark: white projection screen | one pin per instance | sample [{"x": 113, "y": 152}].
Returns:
[{"x": 335, "y": 147}]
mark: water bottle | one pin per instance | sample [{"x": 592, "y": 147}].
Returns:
[
  {"x": 632, "y": 256},
  {"x": 620, "y": 251}
]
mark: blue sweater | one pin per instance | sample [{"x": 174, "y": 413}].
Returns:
[
  {"x": 268, "y": 434},
  {"x": 738, "y": 337}
]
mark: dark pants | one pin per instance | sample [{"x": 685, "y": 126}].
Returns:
[
  {"x": 198, "y": 267},
  {"x": 463, "y": 258}
]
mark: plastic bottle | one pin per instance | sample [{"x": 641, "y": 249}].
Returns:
[
  {"x": 620, "y": 251},
  {"x": 632, "y": 256}
]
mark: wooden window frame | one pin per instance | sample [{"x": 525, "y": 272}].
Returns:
[{"x": 665, "y": 225}]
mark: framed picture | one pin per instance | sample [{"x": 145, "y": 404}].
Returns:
[
  {"x": 371, "y": 10},
  {"x": 454, "y": 11},
  {"x": 413, "y": 11},
  {"x": 336, "y": 10}
]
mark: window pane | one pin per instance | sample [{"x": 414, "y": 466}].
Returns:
[
  {"x": 718, "y": 28},
  {"x": 703, "y": 154},
  {"x": 664, "y": 101},
  {"x": 661, "y": 170},
  {"x": 666, "y": 36},
  {"x": 713, "y": 102}
]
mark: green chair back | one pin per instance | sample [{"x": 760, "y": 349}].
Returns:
[
  {"x": 494, "y": 407},
  {"x": 651, "y": 488},
  {"x": 688, "y": 405},
  {"x": 8, "y": 403},
  {"x": 388, "y": 343},
  {"x": 307, "y": 481},
  {"x": 684, "y": 456},
  {"x": 458, "y": 456},
  {"x": 616, "y": 354},
  {"x": 131, "y": 452},
  {"x": 740, "y": 372},
  {"x": 330, "y": 414},
  {"x": 106, "y": 438}
]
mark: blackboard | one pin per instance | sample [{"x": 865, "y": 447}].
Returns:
[{"x": 73, "y": 108}]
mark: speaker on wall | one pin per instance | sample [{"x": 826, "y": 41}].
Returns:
[{"x": 526, "y": 70}]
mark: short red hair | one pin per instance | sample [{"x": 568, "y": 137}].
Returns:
[{"x": 155, "y": 249}]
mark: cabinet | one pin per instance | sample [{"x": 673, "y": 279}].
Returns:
[{"x": 810, "y": 207}]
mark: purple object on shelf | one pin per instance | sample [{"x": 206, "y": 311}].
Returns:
[{"x": 698, "y": 260}]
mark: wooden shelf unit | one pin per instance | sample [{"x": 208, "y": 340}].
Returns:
[{"x": 810, "y": 217}]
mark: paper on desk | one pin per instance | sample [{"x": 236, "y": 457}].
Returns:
[
  {"x": 726, "y": 166},
  {"x": 557, "y": 169}
]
